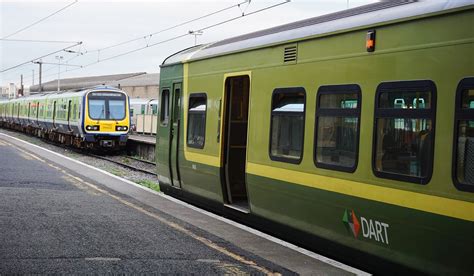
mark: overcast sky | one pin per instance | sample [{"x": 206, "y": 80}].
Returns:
[{"x": 101, "y": 24}]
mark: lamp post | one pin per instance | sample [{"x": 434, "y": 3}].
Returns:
[{"x": 59, "y": 58}]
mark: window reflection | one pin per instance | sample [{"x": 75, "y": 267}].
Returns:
[
  {"x": 337, "y": 127},
  {"x": 97, "y": 109},
  {"x": 197, "y": 120},
  {"x": 465, "y": 141},
  {"x": 404, "y": 130},
  {"x": 287, "y": 121},
  {"x": 403, "y": 146}
]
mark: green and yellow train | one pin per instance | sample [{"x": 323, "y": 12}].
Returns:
[
  {"x": 88, "y": 118},
  {"x": 351, "y": 134}
]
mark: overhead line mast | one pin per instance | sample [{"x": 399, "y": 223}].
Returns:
[{"x": 149, "y": 35}]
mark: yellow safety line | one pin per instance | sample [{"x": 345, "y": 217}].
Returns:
[{"x": 173, "y": 225}]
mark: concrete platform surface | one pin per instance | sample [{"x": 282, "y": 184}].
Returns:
[
  {"x": 88, "y": 220},
  {"x": 147, "y": 139}
]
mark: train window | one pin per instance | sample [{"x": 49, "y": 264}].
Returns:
[
  {"x": 287, "y": 124},
  {"x": 165, "y": 107},
  {"x": 404, "y": 131},
  {"x": 197, "y": 120},
  {"x": 116, "y": 109},
  {"x": 337, "y": 127},
  {"x": 463, "y": 170},
  {"x": 97, "y": 109}
]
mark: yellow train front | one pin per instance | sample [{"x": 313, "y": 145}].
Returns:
[
  {"x": 106, "y": 119},
  {"x": 97, "y": 117}
]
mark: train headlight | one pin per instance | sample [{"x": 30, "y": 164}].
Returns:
[
  {"x": 121, "y": 128},
  {"x": 93, "y": 128}
]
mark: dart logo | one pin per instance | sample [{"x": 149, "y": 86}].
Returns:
[
  {"x": 351, "y": 222},
  {"x": 371, "y": 229}
]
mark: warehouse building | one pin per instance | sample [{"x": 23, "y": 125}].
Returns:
[{"x": 137, "y": 85}]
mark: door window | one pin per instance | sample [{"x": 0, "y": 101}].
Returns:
[
  {"x": 197, "y": 120},
  {"x": 463, "y": 171},
  {"x": 165, "y": 107}
]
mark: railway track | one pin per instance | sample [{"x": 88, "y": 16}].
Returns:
[
  {"x": 107, "y": 158},
  {"x": 123, "y": 164}
]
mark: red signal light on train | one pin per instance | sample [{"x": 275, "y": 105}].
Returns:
[{"x": 370, "y": 41}]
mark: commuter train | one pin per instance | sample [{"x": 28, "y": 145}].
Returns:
[
  {"x": 351, "y": 134},
  {"x": 88, "y": 118}
]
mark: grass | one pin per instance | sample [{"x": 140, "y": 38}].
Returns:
[
  {"x": 116, "y": 172},
  {"x": 149, "y": 184},
  {"x": 126, "y": 161}
]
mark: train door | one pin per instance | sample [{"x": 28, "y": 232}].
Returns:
[
  {"x": 37, "y": 113},
  {"x": 234, "y": 142},
  {"x": 175, "y": 134},
  {"x": 29, "y": 113},
  {"x": 69, "y": 115},
  {"x": 54, "y": 114}
]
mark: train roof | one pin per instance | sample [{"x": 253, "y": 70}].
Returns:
[
  {"x": 350, "y": 19},
  {"x": 72, "y": 93},
  {"x": 141, "y": 101}
]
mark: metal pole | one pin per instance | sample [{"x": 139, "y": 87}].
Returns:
[
  {"x": 59, "y": 75},
  {"x": 40, "y": 76},
  {"x": 59, "y": 58},
  {"x": 33, "y": 76},
  {"x": 21, "y": 85},
  {"x": 40, "y": 63}
]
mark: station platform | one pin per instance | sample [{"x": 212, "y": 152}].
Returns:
[
  {"x": 146, "y": 139},
  {"x": 117, "y": 226},
  {"x": 142, "y": 146}
]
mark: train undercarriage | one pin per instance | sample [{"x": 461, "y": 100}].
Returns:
[{"x": 87, "y": 141}]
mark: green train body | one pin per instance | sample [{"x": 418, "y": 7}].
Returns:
[
  {"x": 66, "y": 117},
  {"x": 221, "y": 105}
]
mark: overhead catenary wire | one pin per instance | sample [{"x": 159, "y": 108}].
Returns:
[
  {"x": 39, "y": 21},
  {"x": 176, "y": 37},
  {"x": 243, "y": 15},
  {"x": 49, "y": 68},
  {"x": 37, "y": 41},
  {"x": 172, "y": 27},
  {"x": 186, "y": 34},
  {"x": 32, "y": 60},
  {"x": 163, "y": 41},
  {"x": 135, "y": 39}
]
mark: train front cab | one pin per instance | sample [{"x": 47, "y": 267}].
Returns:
[{"x": 106, "y": 119}]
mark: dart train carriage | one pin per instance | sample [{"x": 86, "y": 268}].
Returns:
[{"x": 87, "y": 118}]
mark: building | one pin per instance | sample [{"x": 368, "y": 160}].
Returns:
[
  {"x": 145, "y": 86},
  {"x": 3, "y": 93},
  {"x": 137, "y": 85}
]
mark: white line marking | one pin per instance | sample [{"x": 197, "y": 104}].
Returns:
[
  {"x": 230, "y": 222},
  {"x": 102, "y": 259}
]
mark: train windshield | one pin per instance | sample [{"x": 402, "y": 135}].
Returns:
[
  {"x": 107, "y": 105},
  {"x": 97, "y": 109},
  {"x": 116, "y": 109}
]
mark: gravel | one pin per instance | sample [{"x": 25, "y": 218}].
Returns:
[{"x": 138, "y": 177}]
